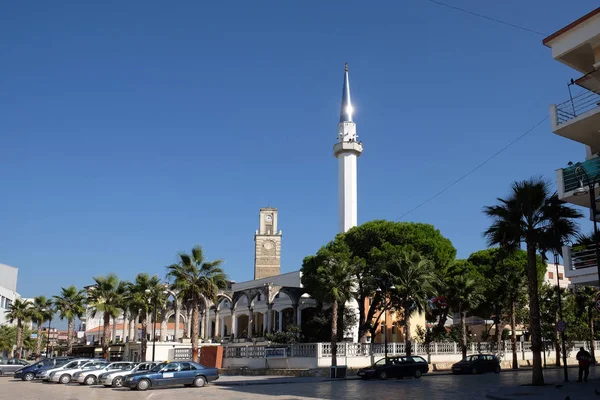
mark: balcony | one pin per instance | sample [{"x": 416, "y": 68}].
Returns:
[
  {"x": 578, "y": 118},
  {"x": 581, "y": 264},
  {"x": 567, "y": 182}
]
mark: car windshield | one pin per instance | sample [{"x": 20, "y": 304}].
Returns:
[
  {"x": 158, "y": 367},
  {"x": 72, "y": 364}
]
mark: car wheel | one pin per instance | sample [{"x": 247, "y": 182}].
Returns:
[
  {"x": 64, "y": 379},
  {"x": 90, "y": 380},
  {"x": 417, "y": 374},
  {"x": 382, "y": 375},
  {"x": 28, "y": 377},
  {"x": 199, "y": 381},
  {"x": 144, "y": 384},
  {"x": 117, "y": 382},
  {"x": 474, "y": 371},
  {"x": 497, "y": 370}
]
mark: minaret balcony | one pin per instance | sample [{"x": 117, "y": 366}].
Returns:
[
  {"x": 578, "y": 118},
  {"x": 347, "y": 147}
]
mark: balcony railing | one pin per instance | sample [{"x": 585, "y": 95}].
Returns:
[
  {"x": 582, "y": 102},
  {"x": 570, "y": 181},
  {"x": 583, "y": 256}
]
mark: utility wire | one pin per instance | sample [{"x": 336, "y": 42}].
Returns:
[
  {"x": 488, "y": 18},
  {"x": 474, "y": 169}
]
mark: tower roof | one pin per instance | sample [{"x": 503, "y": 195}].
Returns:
[{"x": 346, "y": 112}]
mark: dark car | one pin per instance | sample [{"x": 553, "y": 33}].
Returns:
[
  {"x": 186, "y": 373},
  {"x": 476, "y": 364},
  {"x": 395, "y": 367},
  {"x": 28, "y": 372}
]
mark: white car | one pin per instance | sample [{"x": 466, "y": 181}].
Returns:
[
  {"x": 116, "y": 378},
  {"x": 90, "y": 377},
  {"x": 44, "y": 375},
  {"x": 66, "y": 374}
]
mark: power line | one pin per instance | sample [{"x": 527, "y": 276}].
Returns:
[
  {"x": 488, "y": 18},
  {"x": 474, "y": 169}
]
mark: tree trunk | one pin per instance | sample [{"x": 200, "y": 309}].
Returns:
[
  {"x": 105, "y": 335},
  {"x": 334, "y": 318},
  {"x": 69, "y": 338},
  {"x": 133, "y": 327},
  {"x": 513, "y": 334},
  {"x": 407, "y": 335},
  {"x": 125, "y": 330},
  {"x": 537, "y": 378},
  {"x": 591, "y": 324},
  {"x": 144, "y": 349},
  {"x": 19, "y": 348},
  {"x": 363, "y": 327},
  {"x": 463, "y": 331},
  {"x": 194, "y": 330},
  {"x": 38, "y": 342}
]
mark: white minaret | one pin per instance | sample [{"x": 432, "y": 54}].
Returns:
[{"x": 347, "y": 150}]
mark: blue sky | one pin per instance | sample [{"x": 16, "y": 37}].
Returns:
[{"x": 134, "y": 130}]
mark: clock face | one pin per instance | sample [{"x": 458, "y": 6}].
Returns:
[
  {"x": 268, "y": 218},
  {"x": 268, "y": 245}
]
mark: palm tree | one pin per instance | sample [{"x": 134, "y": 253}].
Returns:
[
  {"x": 142, "y": 294},
  {"x": 336, "y": 283},
  {"x": 195, "y": 280},
  {"x": 40, "y": 311},
  {"x": 105, "y": 297},
  {"x": 70, "y": 305},
  {"x": 19, "y": 311},
  {"x": 413, "y": 278},
  {"x": 527, "y": 216},
  {"x": 464, "y": 295}
]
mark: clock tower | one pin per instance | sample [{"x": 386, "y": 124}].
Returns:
[{"x": 267, "y": 245}]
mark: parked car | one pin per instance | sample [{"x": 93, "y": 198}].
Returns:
[
  {"x": 65, "y": 375},
  {"x": 90, "y": 377},
  {"x": 28, "y": 372},
  {"x": 395, "y": 367},
  {"x": 44, "y": 373},
  {"x": 117, "y": 378},
  {"x": 477, "y": 363},
  {"x": 186, "y": 373},
  {"x": 10, "y": 365}
]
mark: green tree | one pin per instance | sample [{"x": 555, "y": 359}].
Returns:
[
  {"x": 525, "y": 216},
  {"x": 141, "y": 296},
  {"x": 464, "y": 295},
  {"x": 105, "y": 297},
  {"x": 196, "y": 279},
  {"x": 19, "y": 311},
  {"x": 40, "y": 311},
  {"x": 413, "y": 278},
  {"x": 585, "y": 299},
  {"x": 331, "y": 282},
  {"x": 363, "y": 242},
  {"x": 70, "y": 304}
]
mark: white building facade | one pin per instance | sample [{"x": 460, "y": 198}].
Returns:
[{"x": 8, "y": 290}]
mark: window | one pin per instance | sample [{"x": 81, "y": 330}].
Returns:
[
  {"x": 560, "y": 276},
  {"x": 394, "y": 329},
  {"x": 550, "y": 275}
]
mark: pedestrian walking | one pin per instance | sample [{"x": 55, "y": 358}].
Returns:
[{"x": 585, "y": 359}]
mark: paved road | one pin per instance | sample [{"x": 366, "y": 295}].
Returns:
[{"x": 438, "y": 387}]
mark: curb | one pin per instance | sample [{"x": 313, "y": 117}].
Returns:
[{"x": 282, "y": 382}]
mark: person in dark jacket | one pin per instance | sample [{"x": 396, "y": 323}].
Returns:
[{"x": 585, "y": 360}]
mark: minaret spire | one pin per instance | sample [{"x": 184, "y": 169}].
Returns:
[{"x": 346, "y": 113}]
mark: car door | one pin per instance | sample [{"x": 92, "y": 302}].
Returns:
[
  {"x": 187, "y": 374},
  {"x": 169, "y": 375}
]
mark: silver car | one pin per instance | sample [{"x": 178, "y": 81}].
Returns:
[
  {"x": 44, "y": 374},
  {"x": 90, "y": 377},
  {"x": 116, "y": 378},
  {"x": 10, "y": 365},
  {"x": 66, "y": 374}
]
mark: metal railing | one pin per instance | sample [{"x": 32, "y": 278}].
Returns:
[
  {"x": 184, "y": 353},
  {"x": 582, "y": 102},
  {"x": 583, "y": 256},
  {"x": 570, "y": 181}
]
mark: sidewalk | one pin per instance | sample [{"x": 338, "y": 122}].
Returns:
[{"x": 551, "y": 391}]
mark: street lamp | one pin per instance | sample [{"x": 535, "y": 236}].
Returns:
[
  {"x": 385, "y": 292},
  {"x": 49, "y": 322},
  {"x": 560, "y": 314},
  {"x": 582, "y": 175},
  {"x": 155, "y": 304}
]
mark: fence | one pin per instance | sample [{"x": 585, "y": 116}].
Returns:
[{"x": 344, "y": 349}]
